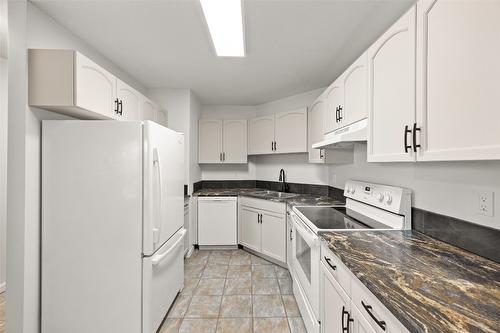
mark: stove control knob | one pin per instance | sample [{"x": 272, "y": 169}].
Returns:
[
  {"x": 380, "y": 197},
  {"x": 388, "y": 199}
]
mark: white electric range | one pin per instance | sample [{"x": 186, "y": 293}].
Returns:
[{"x": 368, "y": 207}]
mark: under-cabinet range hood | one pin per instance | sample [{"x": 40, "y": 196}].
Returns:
[{"x": 344, "y": 137}]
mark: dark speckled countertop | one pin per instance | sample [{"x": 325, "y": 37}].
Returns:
[
  {"x": 430, "y": 286},
  {"x": 296, "y": 200}
]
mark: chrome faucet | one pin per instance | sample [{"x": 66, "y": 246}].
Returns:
[{"x": 283, "y": 187}]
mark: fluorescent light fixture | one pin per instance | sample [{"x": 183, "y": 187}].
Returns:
[{"x": 224, "y": 20}]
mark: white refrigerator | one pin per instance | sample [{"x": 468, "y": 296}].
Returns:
[{"x": 112, "y": 225}]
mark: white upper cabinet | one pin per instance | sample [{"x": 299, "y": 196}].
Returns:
[
  {"x": 222, "y": 141},
  {"x": 290, "y": 134},
  {"x": 210, "y": 141},
  {"x": 261, "y": 135},
  {"x": 95, "y": 88},
  {"x": 458, "y": 80},
  {"x": 315, "y": 120},
  {"x": 66, "y": 81},
  {"x": 128, "y": 101},
  {"x": 284, "y": 132},
  {"x": 355, "y": 93},
  {"x": 334, "y": 101},
  {"x": 148, "y": 109},
  {"x": 391, "y": 92},
  {"x": 161, "y": 117},
  {"x": 235, "y": 141}
]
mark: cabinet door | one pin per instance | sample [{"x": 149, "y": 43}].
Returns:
[
  {"x": 391, "y": 92},
  {"x": 210, "y": 141},
  {"x": 334, "y": 304},
  {"x": 161, "y": 117},
  {"x": 95, "y": 88},
  {"x": 291, "y": 131},
  {"x": 355, "y": 92},
  {"x": 235, "y": 137},
  {"x": 360, "y": 324},
  {"x": 250, "y": 228},
  {"x": 315, "y": 120},
  {"x": 334, "y": 102},
  {"x": 274, "y": 236},
  {"x": 458, "y": 80},
  {"x": 129, "y": 100},
  {"x": 148, "y": 110},
  {"x": 261, "y": 135},
  {"x": 289, "y": 242}
]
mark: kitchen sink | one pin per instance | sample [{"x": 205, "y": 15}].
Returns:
[{"x": 282, "y": 195}]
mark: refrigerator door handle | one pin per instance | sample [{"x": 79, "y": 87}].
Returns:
[
  {"x": 158, "y": 258},
  {"x": 157, "y": 227}
]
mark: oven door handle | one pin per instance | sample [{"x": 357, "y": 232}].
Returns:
[{"x": 307, "y": 234}]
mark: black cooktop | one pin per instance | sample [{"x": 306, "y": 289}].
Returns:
[{"x": 339, "y": 218}]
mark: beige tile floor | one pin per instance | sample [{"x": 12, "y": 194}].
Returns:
[
  {"x": 234, "y": 292},
  {"x": 2, "y": 312}
]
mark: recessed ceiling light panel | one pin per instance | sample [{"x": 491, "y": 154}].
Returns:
[{"x": 225, "y": 23}]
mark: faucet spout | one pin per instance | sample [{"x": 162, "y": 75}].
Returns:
[{"x": 283, "y": 186}]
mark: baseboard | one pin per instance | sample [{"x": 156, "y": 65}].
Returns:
[{"x": 3, "y": 286}]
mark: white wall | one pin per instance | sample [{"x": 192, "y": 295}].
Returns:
[
  {"x": 30, "y": 28},
  {"x": 3, "y": 138},
  {"x": 184, "y": 111}
]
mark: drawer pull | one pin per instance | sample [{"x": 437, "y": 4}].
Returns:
[
  {"x": 368, "y": 309},
  {"x": 328, "y": 261}
]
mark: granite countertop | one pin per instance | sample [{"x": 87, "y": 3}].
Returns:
[
  {"x": 296, "y": 200},
  {"x": 429, "y": 285}
]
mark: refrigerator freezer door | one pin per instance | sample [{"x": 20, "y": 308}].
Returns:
[
  {"x": 163, "y": 278},
  {"x": 163, "y": 185},
  {"x": 91, "y": 226}
]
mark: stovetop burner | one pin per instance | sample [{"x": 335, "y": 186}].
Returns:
[{"x": 326, "y": 218}]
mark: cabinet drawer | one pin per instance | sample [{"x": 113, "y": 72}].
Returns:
[
  {"x": 340, "y": 273},
  {"x": 272, "y": 206},
  {"x": 373, "y": 310}
]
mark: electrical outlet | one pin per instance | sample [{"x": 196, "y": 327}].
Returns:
[{"x": 485, "y": 203}]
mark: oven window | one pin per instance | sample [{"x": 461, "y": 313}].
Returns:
[{"x": 303, "y": 255}]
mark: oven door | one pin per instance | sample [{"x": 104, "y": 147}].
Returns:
[{"x": 305, "y": 261}]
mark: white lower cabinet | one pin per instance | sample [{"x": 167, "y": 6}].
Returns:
[
  {"x": 262, "y": 227},
  {"x": 335, "y": 304},
  {"x": 346, "y": 305},
  {"x": 250, "y": 228}
]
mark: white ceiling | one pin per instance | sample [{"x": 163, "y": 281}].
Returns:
[{"x": 292, "y": 45}]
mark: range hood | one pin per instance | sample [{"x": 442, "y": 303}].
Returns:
[{"x": 344, "y": 137}]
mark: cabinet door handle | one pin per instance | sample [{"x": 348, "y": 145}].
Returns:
[
  {"x": 274, "y": 145},
  {"x": 116, "y": 106},
  {"x": 220, "y": 157},
  {"x": 321, "y": 153},
  {"x": 329, "y": 262},
  {"x": 415, "y": 129},
  {"x": 223, "y": 157},
  {"x": 337, "y": 114},
  {"x": 346, "y": 326},
  {"x": 407, "y": 131},
  {"x": 340, "y": 113},
  {"x": 291, "y": 238},
  {"x": 368, "y": 309},
  {"x": 120, "y": 105}
]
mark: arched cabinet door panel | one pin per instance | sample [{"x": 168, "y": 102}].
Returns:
[
  {"x": 210, "y": 141},
  {"x": 291, "y": 131},
  {"x": 458, "y": 80},
  {"x": 391, "y": 92},
  {"x": 261, "y": 135}
]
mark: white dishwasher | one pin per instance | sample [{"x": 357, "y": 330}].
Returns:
[{"x": 217, "y": 221}]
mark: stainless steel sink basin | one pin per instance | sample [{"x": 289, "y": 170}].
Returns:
[{"x": 281, "y": 195}]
